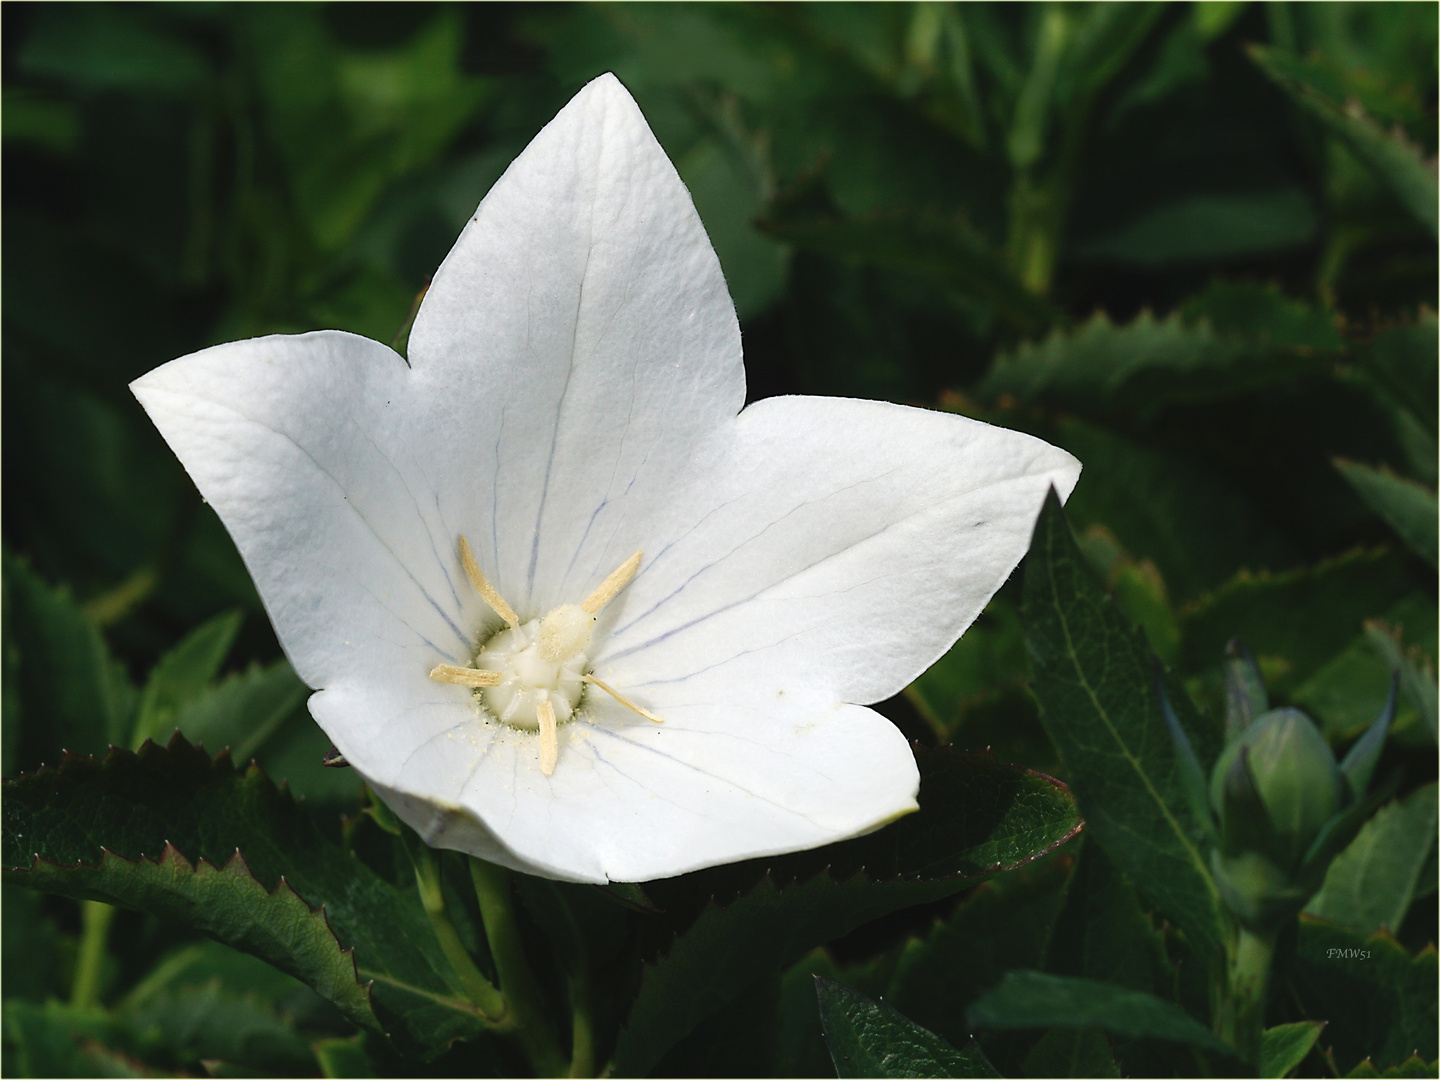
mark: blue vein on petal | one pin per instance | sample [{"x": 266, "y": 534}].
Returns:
[
  {"x": 790, "y": 576},
  {"x": 345, "y": 498},
  {"x": 684, "y": 765},
  {"x": 419, "y": 514}
]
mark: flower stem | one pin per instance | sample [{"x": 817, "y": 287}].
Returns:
[
  {"x": 492, "y": 889},
  {"x": 1241, "y": 1019},
  {"x": 479, "y": 989},
  {"x": 95, "y": 917}
]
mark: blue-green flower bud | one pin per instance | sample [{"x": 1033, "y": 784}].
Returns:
[
  {"x": 1294, "y": 775},
  {"x": 1275, "y": 789}
]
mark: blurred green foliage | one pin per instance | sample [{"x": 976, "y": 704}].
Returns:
[{"x": 1193, "y": 243}]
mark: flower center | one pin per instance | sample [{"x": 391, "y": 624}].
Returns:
[
  {"x": 531, "y": 675},
  {"x": 527, "y": 678}
]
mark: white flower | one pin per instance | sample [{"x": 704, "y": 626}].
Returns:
[{"x": 573, "y": 396}]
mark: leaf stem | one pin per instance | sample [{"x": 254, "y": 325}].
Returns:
[
  {"x": 478, "y": 988},
  {"x": 95, "y": 918},
  {"x": 492, "y": 889}
]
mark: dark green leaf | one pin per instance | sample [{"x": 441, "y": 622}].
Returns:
[
  {"x": 734, "y": 924},
  {"x": 74, "y": 695},
  {"x": 1412, "y": 1067},
  {"x": 1417, "y": 671},
  {"x": 869, "y": 1038},
  {"x": 1093, "y": 678},
  {"x": 1378, "y": 1001},
  {"x": 162, "y": 831},
  {"x": 1407, "y": 507},
  {"x": 1141, "y": 367},
  {"x": 1033, "y": 999},
  {"x": 1398, "y": 163},
  {"x": 243, "y": 711},
  {"x": 57, "y": 1040},
  {"x": 343, "y": 1058},
  {"x": 1003, "y": 924},
  {"x": 182, "y": 675},
  {"x": 1245, "y": 693},
  {"x": 1300, "y": 617},
  {"x": 1283, "y": 1048},
  {"x": 1071, "y": 1052},
  {"x": 947, "y": 254},
  {"x": 990, "y": 652},
  {"x": 207, "y": 1022},
  {"x": 1209, "y": 228},
  {"x": 1372, "y": 882},
  {"x": 1403, "y": 358}
]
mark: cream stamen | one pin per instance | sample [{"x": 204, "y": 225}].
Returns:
[
  {"x": 464, "y": 676},
  {"x": 482, "y": 585},
  {"x": 549, "y": 741},
  {"x": 622, "y": 699},
  {"x": 612, "y": 585}
]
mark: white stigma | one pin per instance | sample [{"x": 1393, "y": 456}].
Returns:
[{"x": 532, "y": 675}]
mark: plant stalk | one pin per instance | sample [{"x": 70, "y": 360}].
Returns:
[
  {"x": 479, "y": 989},
  {"x": 1241, "y": 1018},
  {"x": 492, "y": 889},
  {"x": 95, "y": 918}
]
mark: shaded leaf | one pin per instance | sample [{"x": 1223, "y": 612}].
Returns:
[
  {"x": 1372, "y": 882},
  {"x": 160, "y": 831},
  {"x": 1417, "y": 671},
  {"x": 343, "y": 1058},
  {"x": 1209, "y": 227},
  {"x": 182, "y": 675},
  {"x": 1071, "y": 1052},
  {"x": 1142, "y": 367},
  {"x": 1302, "y": 617},
  {"x": 56, "y": 1040},
  {"x": 1378, "y": 1001},
  {"x": 869, "y": 1038},
  {"x": 1283, "y": 1048},
  {"x": 1407, "y": 507},
  {"x": 243, "y": 711},
  {"x": 1093, "y": 678},
  {"x": 728, "y": 926},
  {"x": 1002, "y": 924},
  {"x": 1391, "y": 156},
  {"x": 76, "y": 696},
  {"x": 1033, "y": 999},
  {"x": 947, "y": 254}
]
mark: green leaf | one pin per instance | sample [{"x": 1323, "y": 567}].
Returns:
[
  {"x": 1071, "y": 1052},
  {"x": 1033, "y": 999},
  {"x": 206, "y": 1022},
  {"x": 1378, "y": 1001},
  {"x": 182, "y": 675},
  {"x": 1142, "y": 367},
  {"x": 1346, "y": 692},
  {"x": 869, "y": 1038},
  {"x": 732, "y": 925},
  {"x": 1003, "y": 924},
  {"x": 1103, "y": 933},
  {"x": 1210, "y": 227},
  {"x": 1413, "y": 1066},
  {"x": 945, "y": 253},
  {"x": 343, "y": 1058},
  {"x": 1373, "y": 881},
  {"x": 1407, "y": 507},
  {"x": 164, "y": 831},
  {"x": 72, "y": 694},
  {"x": 243, "y": 711},
  {"x": 1403, "y": 359},
  {"x": 1396, "y": 161},
  {"x": 992, "y": 651},
  {"x": 55, "y": 1040},
  {"x": 1417, "y": 671},
  {"x": 1284, "y": 1047},
  {"x": 1297, "y": 619},
  {"x": 1093, "y": 678}
]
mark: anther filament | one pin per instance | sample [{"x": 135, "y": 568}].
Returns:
[{"x": 531, "y": 675}]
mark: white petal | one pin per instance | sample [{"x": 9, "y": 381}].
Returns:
[
  {"x": 631, "y": 800},
  {"x": 577, "y": 344},
  {"x": 840, "y": 548}
]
